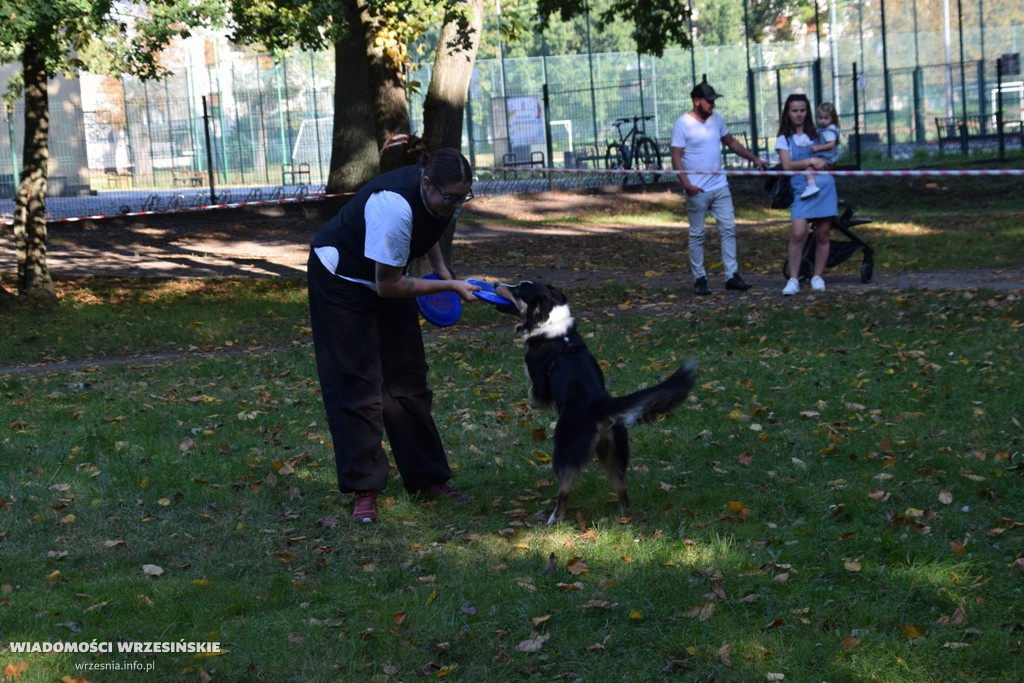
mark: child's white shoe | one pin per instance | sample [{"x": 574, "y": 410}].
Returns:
[
  {"x": 810, "y": 191},
  {"x": 817, "y": 284},
  {"x": 792, "y": 287}
]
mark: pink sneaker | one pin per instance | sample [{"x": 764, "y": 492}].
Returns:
[{"x": 364, "y": 507}]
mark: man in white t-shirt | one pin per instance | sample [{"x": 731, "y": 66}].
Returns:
[{"x": 697, "y": 140}]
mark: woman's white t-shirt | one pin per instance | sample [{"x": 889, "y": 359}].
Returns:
[
  {"x": 800, "y": 140},
  {"x": 388, "y": 234}
]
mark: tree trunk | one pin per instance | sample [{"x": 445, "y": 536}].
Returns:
[
  {"x": 369, "y": 101},
  {"x": 354, "y": 151},
  {"x": 443, "y": 109},
  {"x": 34, "y": 280},
  {"x": 386, "y": 70}
]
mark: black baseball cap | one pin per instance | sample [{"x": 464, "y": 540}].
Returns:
[{"x": 705, "y": 91}]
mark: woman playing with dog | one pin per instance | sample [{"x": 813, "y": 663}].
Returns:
[
  {"x": 796, "y": 137},
  {"x": 366, "y": 332}
]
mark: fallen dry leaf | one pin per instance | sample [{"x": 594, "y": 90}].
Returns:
[
  {"x": 912, "y": 630},
  {"x": 15, "y": 670},
  {"x": 702, "y": 612},
  {"x": 850, "y": 643},
  {"x": 577, "y": 566},
  {"x": 851, "y": 565},
  {"x": 152, "y": 570},
  {"x": 533, "y": 644}
]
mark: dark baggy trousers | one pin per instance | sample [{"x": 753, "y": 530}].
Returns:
[{"x": 373, "y": 378}]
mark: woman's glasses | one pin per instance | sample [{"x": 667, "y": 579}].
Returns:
[{"x": 455, "y": 198}]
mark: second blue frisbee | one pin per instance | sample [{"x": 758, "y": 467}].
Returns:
[
  {"x": 441, "y": 308},
  {"x": 486, "y": 293}
]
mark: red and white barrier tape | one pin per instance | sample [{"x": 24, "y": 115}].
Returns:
[
  {"x": 314, "y": 197},
  {"x": 576, "y": 171},
  {"x": 738, "y": 172}
]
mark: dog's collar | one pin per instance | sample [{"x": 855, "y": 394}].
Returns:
[{"x": 571, "y": 346}]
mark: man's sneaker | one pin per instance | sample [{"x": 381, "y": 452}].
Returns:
[
  {"x": 817, "y": 284},
  {"x": 700, "y": 286},
  {"x": 736, "y": 283},
  {"x": 445, "y": 491},
  {"x": 364, "y": 507},
  {"x": 792, "y": 287},
  {"x": 809, "y": 192}
]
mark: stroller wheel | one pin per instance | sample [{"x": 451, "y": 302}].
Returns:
[{"x": 866, "y": 271}]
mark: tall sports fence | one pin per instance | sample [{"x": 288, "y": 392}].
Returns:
[{"x": 252, "y": 129}]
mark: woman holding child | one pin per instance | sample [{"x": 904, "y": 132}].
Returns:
[{"x": 797, "y": 135}]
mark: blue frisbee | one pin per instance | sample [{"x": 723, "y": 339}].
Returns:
[
  {"x": 486, "y": 293},
  {"x": 441, "y": 308}
]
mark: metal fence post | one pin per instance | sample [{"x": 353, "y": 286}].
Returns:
[
  {"x": 469, "y": 131},
  {"x": 209, "y": 151},
  {"x": 816, "y": 75},
  {"x": 919, "y": 120},
  {"x": 547, "y": 131},
  {"x": 999, "y": 111},
  {"x": 316, "y": 116},
  {"x": 238, "y": 127},
  {"x": 262, "y": 137},
  {"x": 888, "y": 87},
  {"x": 15, "y": 171},
  {"x": 752, "y": 100},
  {"x": 981, "y": 96},
  {"x": 856, "y": 113}
]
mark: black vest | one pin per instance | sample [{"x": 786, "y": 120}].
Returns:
[{"x": 347, "y": 230}]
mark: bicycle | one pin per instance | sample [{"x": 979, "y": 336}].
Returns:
[{"x": 634, "y": 149}]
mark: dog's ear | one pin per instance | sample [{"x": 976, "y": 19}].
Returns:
[{"x": 557, "y": 296}]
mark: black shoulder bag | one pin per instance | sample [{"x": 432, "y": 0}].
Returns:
[{"x": 779, "y": 188}]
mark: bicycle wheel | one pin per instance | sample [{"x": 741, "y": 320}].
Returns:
[
  {"x": 615, "y": 159},
  {"x": 647, "y": 157}
]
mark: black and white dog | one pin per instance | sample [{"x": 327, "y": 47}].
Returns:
[{"x": 566, "y": 376}]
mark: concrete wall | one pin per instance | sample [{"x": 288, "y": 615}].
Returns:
[{"x": 69, "y": 168}]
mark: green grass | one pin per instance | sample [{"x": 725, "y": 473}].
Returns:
[{"x": 840, "y": 499}]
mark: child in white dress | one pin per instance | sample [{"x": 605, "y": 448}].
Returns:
[{"x": 827, "y": 144}]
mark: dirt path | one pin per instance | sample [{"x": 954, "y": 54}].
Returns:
[{"x": 273, "y": 243}]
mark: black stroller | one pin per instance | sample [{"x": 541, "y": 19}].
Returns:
[{"x": 839, "y": 250}]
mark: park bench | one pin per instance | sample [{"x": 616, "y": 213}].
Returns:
[
  {"x": 186, "y": 177},
  {"x": 118, "y": 177},
  {"x": 585, "y": 156},
  {"x": 958, "y": 129},
  {"x": 296, "y": 174},
  {"x": 510, "y": 160}
]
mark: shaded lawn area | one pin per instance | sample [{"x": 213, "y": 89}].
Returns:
[
  {"x": 917, "y": 224},
  {"x": 840, "y": 499}
]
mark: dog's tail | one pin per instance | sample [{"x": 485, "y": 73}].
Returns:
[{"x": 646, "y": 404}]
